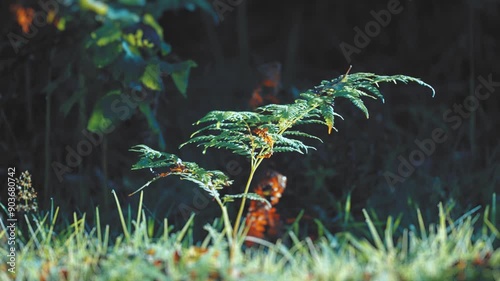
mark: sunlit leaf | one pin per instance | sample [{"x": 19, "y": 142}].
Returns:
[
  {"x": 152, "y": 78},
  {"x": 106, "y": 34},
  {"x": 209, "y": 180},
  {"x": 97, "y": 7},
  {"x": 150, "y": 20},
  {"x": 123, "y": 15}
]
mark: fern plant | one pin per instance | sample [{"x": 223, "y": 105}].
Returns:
[{"x": 268, "y": 130}]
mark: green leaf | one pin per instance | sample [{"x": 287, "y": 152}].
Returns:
[
  {"x": 151, "y": 77},
  {"x": 264, "y": 132},
  {"x": 359, "y": 104},
  {"x": 151, "y": 158},
  {"x": 181, "y": 76},
  {"x": 251, "y": 196},
  {"x": 287, "y": 143},
  {"x": 122, "y": 15},
  {"x": 95, "y": 6},
  {"x": 106, "y": 34},
  {"x": 150, "y": 20},
  {"x": 329, "y": 116},
  {"x": 105, "y": 55},
  {"x": 129, "y": 67},
  {"x": 374, "y": 90},
  {"x": 301, "y": 134},
  {"x": 208, "y": 180},
  {"x": 101, "y": 119}
]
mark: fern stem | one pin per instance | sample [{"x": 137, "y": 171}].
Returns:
[
  {"x": 228, "y": 229},
  {"x": 254, "y": 166},
  {"x": 255, "y": 163},
  {"x": 227, "y": 222}
]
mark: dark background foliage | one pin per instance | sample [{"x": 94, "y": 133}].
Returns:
[{"x": 448, "y": 45}]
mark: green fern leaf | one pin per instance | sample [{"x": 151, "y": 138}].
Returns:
[
  {"x": 287, "y": 142},
  {"x": 261, "y": 133},
  {"x": 251, "y": 196},
  {"x": 329, "y": 116},
  {"x": 359, "y": 104},
  {"x": 208, "y": 180},
  {"x": 152, "y": 158},
  {"x": 301, "y": 134}
]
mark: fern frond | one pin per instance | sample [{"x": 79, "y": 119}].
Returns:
[
  {"x": 234, "y": 130},
  {"x": 258, "y": 135},
  {"x": 208, "y": 180},
  {"x": 152, "y": 159},
  {"x": 359, "y": 104},
  {"x": 251, "y": 196},
  {"x": 301, "y": 134},
  {"x": 229, "y": 116},
  {"x": 329, "y": 116},
  {"x": 374, "y": 90},
  {"x": 272, "y": 108},
  {"x": 221, "y": 126},
  {"x": 198, "y": 139},
  {"x": 279, "y": 149},
  {"x": 375, "y": 79},
  {"x": 296, "y": 145},
  {"x": 362, "y": 78},
  {"x": 237, "y": 148},
  {"x": 311, "y": 121}
]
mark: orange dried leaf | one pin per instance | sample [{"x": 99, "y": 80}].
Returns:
[
  {"x": 262, "y": 221},
  {"x": 24, "y": 16},
  {"x": 256, "y": 100}
]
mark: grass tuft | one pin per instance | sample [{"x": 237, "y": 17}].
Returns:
[{"x": 449, "y": 250}]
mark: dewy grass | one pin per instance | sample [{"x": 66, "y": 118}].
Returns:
[{"x": 448, "y": 250}]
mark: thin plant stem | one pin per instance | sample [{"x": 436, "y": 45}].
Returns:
[
  {"x": 255, "y": 163},
  {"x": 253, "y": 168},
  {"x": 228, "y": 230},
  {"x": 227, "y": 222},
  {"x": 105, "y": 169}
]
